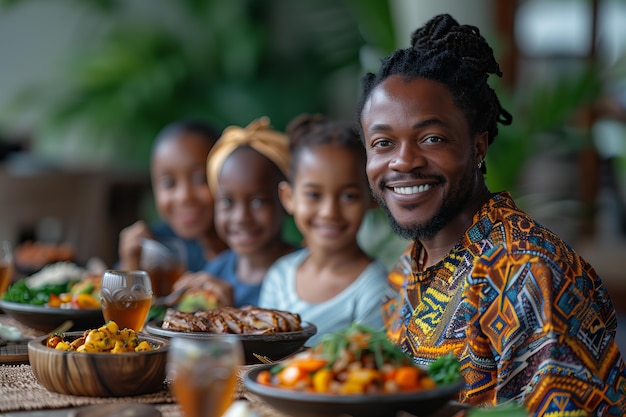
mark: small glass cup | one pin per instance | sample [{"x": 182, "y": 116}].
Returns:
[
  {"x": 165, "y": 261},
  {"x": 126, "y": 297},
  {"x": 7, "y": 266},
  {"x": 203, "y": 373}
]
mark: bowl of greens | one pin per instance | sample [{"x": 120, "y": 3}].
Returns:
[{"x": 58, "y": 293}]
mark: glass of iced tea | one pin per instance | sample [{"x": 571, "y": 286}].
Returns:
[
  {"x": 165, "y": 261},
  {"x": 203, "y": 373},
  {"x": 6, "y": 265},
  {"x": 126, "y": 297}
]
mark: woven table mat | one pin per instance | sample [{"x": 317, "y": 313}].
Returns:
[
  {"x": 20, "y": 391},
  {"x": 25, "y": 330},
  {"x": 16, "y": 352}
]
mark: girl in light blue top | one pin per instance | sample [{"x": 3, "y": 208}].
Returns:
[{"x": 332, "y": 282}]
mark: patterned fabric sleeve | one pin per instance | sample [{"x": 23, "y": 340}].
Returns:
[
  {"x": 554, "y": 347},
  {"x": 394, "y": 297}
]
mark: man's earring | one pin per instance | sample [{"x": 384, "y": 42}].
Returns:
[{"x": 480, "y": 164}]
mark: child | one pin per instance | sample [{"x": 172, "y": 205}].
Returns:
[
  {"x": 244, "y": 170},
  {"x": 331, "y": 282},
  {"x": 182, "y": 197}
]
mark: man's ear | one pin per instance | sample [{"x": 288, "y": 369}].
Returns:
[
  {"x": 481, "y": 142},
  {"x": 285, "y": 193}
]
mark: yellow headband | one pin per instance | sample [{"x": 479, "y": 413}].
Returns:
[{"x": 259, "y": 136}]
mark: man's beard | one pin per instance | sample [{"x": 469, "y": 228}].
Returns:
[{"x": 455, "y": 201}]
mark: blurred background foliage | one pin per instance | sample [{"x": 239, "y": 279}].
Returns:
[
  {"x": 542, "y": 121},
  {"x": 140, "y": 65},
  {"x": 228, "y": 62},
  {"x": 132, "y": 66}
]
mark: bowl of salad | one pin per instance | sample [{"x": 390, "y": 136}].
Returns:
[
  {"x": 355, "y": 372},
  {"x": 58, "y": 293}
]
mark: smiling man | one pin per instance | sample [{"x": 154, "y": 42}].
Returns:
[{"x": 528, "y": 319}]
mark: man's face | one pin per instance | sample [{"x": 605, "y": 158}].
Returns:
[{"x": 421, "y": 160}]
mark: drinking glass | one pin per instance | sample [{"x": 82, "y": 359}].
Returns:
[
  {"x": 165, "y": 261},
  {"x": 6, "y": 265},
  {"x": 126, "y": 297},
  {"x": 203, "y": 373}
]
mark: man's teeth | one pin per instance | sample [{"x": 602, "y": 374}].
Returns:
[{"x": 412, "y": 190}]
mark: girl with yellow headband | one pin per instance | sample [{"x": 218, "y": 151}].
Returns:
[{"x": 244, "y": 170}]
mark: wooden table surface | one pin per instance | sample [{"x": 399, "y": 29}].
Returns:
[{"x": 21, "y": 395}]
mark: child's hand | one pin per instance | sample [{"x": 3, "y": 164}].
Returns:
[
  {"x": 223, "y": 290},
  {"x": 130, "y": 244}
]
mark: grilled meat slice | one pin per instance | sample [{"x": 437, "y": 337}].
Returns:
[
  {"x": 246, "y": 320},
  {"x": 253, "y": 323},
  {"x": 282, "y": 321},
  {"x": 183, "y": 322},
  {"x": 293, "y": 320}
]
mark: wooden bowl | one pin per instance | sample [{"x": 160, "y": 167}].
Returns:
[{"x": 99, "y": 374}]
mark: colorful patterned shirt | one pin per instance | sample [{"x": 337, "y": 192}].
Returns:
[{"x": 528, "y": 319}]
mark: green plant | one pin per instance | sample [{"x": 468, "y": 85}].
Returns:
[
  {"x": 546, "y": 108},
  {"x": 228, "y": 62}
]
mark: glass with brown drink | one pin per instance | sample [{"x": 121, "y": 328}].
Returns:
[
  {"x": 6, "y": 266},
  {"x": 126, "y": 297},
  {"x": 165, "y": 261},
  {"x": 203, "y": 373}
]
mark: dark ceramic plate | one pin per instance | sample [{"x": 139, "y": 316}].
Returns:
[
  {"x": 274, "y": 346},
  {"x": 305, "y": 404},
  {"x": 46, "y": 319}
]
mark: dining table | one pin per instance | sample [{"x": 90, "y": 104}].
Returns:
[{"x": 21, "y": 394}]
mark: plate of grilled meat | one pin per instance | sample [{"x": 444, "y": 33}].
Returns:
[{"x": 273, "y": 334}]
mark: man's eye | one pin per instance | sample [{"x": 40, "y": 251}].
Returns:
[
  {"x": 433, "y": 139},
  {"x": 382, "y": 143}
]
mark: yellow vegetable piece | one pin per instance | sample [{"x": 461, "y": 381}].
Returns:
[
  {"x": 351, "y": 387},
  {"x": 120, "y": 347},
  {"x": 143, "y": 347},
  {"x": 63, "y": 345},
  {"x": 321, "y": 380},
  {"x": 54, "y": 301},
  {"x": 363, "y": 376},
  {"x": 85, "y": 301},
  {"x": 98, "y": 341},
  {"x": 107, "y": 338},
  {"x": 110, "y": 327}
]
